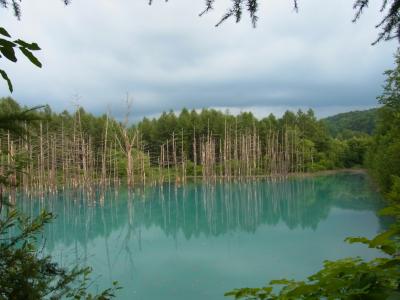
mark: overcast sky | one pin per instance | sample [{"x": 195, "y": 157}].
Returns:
[{"x": 166, "y": 57}]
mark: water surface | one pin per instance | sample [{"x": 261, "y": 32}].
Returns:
[{"x": 199, "y": 241}]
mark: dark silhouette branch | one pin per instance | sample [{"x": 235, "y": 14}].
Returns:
[{"x": 389, "y": 25}]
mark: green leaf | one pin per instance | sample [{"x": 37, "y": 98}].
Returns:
[
  {"x": 9, "y": 53},
  {"x": 6, "y": 43},
  {"x": 383, "y": 238},
  {"x": 4, "y": 32},
  {"x": 388, "y": 249},
  {"x": 281, "y": 281},
  {"x": 29, "y": 46},
  {"x": 395, "y": 262},
  {"x": 31, "y": 57},
  {"x": 390, "y": 211},
  {"x": 5, "y": 77},
  {"x": 362, "y": 240}
]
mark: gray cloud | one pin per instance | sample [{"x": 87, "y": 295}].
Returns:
[{"x": 166, "y": 57}]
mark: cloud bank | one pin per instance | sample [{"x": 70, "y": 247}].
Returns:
[{"x": 166, "y": 57}]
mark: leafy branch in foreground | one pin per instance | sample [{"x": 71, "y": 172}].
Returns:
[
  {"x": 27, "y": 274},
  {"x": 7, "y": 50},
  {"x": 7, "y": 46},
  {"x": 15, "y": 122}
]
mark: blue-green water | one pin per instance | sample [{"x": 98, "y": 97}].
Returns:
[{"x": 199, "y": 241}]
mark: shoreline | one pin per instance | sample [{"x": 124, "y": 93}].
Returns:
[
  {"x": 193, "y": 179},
  {"x": 329, "y": 172}
]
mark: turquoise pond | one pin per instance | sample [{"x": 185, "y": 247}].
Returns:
[{"x": 199, "y": 241}]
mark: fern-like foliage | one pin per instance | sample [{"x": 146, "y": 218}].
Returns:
[
  {"x": 15, "y": 122},
  {"x": 390, "y": 23}
]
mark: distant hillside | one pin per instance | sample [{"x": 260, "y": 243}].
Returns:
[{"x": 352, "y": 123}]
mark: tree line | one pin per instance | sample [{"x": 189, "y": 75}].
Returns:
[{"x": 78, "y": 149}]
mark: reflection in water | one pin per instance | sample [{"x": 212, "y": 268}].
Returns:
[
  {"x": 196, "y": 209},
  {"x": 198, "y": 241}
]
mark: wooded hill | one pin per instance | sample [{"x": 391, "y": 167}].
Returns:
[{"x": 353, "y": 123}]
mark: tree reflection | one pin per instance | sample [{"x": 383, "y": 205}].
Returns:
[{"x": 200, "y": 209}]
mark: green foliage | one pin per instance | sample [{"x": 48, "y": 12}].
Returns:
[
  {"x": 394, "y": 193},
  {"x": 383, "y": 157},
  {"x": 313, "y": 132},
  {"x": 27, "y": 274},
  {"x": 354, "y": 123},
  {"x": 7, "y": 50},
  {"x": 356, "y": 149},
  {"x": 14, "y": 122}
]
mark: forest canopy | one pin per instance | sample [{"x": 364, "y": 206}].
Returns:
[{"x": 354, "y": 123}]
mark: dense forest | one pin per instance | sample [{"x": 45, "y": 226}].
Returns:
[
  {"x": 353, "y": 123},
  {"x": 80, "y": 149}
]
